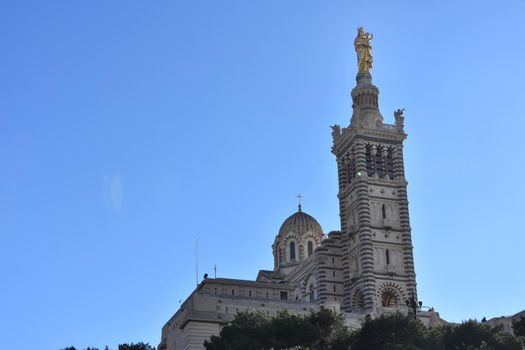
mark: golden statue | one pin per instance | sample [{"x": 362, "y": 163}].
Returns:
[{"x": 363, "y": 47}]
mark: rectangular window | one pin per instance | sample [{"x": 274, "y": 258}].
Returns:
[
  {"x": 284, "y": 295},
  {"x": 390, "y": 165},
  {"x": 368, "y": 155},
  {"x": 379, "y": 164},
  {"x": 233, "y": 291},
  {"x": 348, "y": 172},
  {"x": 387, "y": 255},
  {"x": 250, "y": 293}
]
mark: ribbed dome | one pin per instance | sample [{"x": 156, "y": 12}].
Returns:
[{"x": 299, "y": 223}]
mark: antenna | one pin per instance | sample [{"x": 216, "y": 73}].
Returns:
[{"x": 197, "y": 261}]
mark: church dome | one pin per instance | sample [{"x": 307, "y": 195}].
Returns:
[
  {"x": 299, "y": 236},
  {"x": 300, "y": 223}
]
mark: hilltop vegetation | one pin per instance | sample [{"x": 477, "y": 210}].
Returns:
[{"x": 325, "y": 330}]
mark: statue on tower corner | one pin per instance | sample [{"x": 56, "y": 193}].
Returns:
[
  {"x": 363, "y": 47},
  {"x": 399, "y": 117}
]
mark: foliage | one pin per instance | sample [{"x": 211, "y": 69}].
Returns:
[
  {"x": 325, "y": 330},
  {"x": 254, "y": 330},
  {"x": 474, "y": 335},
  {"x": 138, "y": 346},
  {"x": 395, "y": 331}
]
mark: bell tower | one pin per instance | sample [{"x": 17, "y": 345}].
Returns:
[{"x": 378, "y": 264}]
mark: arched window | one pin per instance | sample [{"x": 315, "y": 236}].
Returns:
[
  {"x": 292, "y": 251},
  {"x": 310, "y": 248},
  {"x": 389, "y": 298},
  {"x": 359, "y": 300},
  {"x": 312, "y": 294}
]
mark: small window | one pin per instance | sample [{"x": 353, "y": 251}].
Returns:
[
  {"x": 266, "y": 295},
  {"x": 383, "y": 211},
  {"x": 368, "y": 156},
  {"x": 334, "y": 288},
  {"x": 390, "y": 164},
  {"x": 333, "y": 273},
  {"x": 312, "y": 294},
  {"x": 387, "y": 256},
  {"x": 284, "y": 295},
  {"x": 333, "y": 261},
  {"x": 233, "y": 291},
  {"x": 292, "y": 251},
  {"x": 310, "y": 248},
  {"x": 380, "y": 163},
  {"x": 226, "y": 309},
  {"x": 250, "y": 293},
  {"x": 348, "y": 172}
]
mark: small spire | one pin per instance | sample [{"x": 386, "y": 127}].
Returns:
[{"x": 299, "y": 198}]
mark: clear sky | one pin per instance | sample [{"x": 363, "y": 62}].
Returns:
[{"x": 130, "y": 128}]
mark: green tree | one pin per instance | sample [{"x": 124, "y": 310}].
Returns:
[
  {"x": 396, "y": 331},
  {"x": 503, "y": 340},
  {"x": 333, "y": 334},
  {"x": 254, "y": 330},
  {"x": 248, "y": 330},
  {"x": 474, "y": 335},
  {"x": 138, "y": 346},
  {"x": 325, "y": 330}
]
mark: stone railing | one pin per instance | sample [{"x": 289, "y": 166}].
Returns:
[{"x": 389, "y": 127}]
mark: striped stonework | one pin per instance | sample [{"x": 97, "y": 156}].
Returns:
[{"x": 376, "y": 243}]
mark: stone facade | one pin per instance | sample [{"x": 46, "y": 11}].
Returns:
[
  {"x": 217, "y": 300},
  {"x": 366, "y": 268},
  {"x": 377, "y": 259}
]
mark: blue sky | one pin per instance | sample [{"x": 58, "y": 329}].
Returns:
[{"x": 130, "y": 128}]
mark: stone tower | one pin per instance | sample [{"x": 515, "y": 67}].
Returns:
[{"x": 377, "y": 259}]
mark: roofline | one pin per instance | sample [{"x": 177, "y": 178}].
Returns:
[{"x": 229, "y": 281}]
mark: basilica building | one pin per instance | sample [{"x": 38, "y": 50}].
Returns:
[{"x": 366, "y": 268}]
